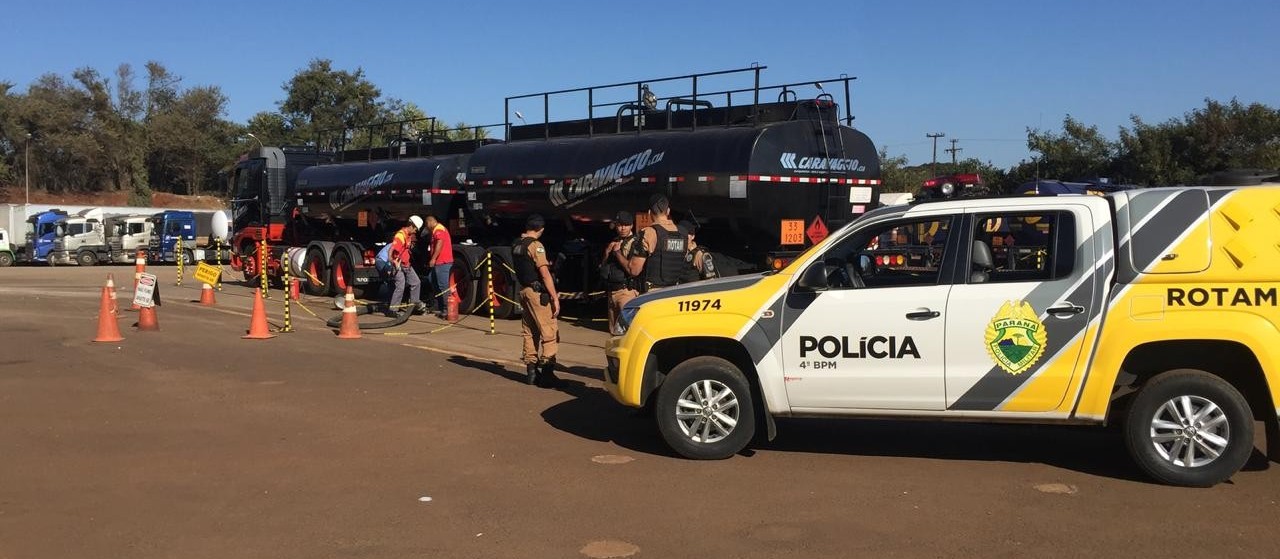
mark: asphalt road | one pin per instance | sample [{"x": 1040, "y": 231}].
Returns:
[{"x": 191, "y": 442}]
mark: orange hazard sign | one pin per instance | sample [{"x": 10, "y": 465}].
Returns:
[{"x": 792, "y": 232}]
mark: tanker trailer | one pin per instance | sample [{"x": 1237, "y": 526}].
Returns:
[{"x": 760, "y": 189}]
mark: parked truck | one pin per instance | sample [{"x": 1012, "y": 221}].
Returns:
[
  {"x": 763, "y": 179},
  {"x": 42, "y": 229},
  {"x": 195, "y": 228},
  {"x": 7, "y": 256},
  {"x": 92, "y": 237},
  {"x": 1151, "y": 309}
]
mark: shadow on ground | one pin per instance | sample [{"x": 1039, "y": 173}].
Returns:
[{"x": 592, "y": 414}]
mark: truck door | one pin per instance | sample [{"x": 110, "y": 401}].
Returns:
[
  {"x": 1019, "y": 317},
  {"x": 873, "y": 339}
]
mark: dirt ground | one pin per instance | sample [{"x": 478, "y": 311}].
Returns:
[{"x": 191, "y": 442}]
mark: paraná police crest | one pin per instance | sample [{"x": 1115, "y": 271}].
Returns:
[{"x": 1015, "y": 337}]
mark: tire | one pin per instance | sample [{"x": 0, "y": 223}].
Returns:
[
  {"x": 1158, "y": 411},
  {"x": 188, "y": 258},
  {"x": 461, "y": 276},
  {"x": 315, "y": 265},
  {"x": 504, "y": 284},
  {"x": 248, "y": 263},
  {"x": 342, "y": 272},
  {"x": 6, "y": 260},
  {"x": 87, "y": 259},
  {"x": 688, "y": 381}
]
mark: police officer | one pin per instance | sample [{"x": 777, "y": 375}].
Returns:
[
  {"x": 614, "y": 270},
  {"x": 699, "y": 258},
  {"x": 659, "y": 258},
  {"x": 541, "y": 304}
]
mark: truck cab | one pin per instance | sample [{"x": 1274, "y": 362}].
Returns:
[
  {"x": 80, "y": 239},
  {"x": 127, "y": 234},
  {"x": 7, "y": 257},
  {"x": 42, "y": 229},
  {"x": 1155, "y": 309},
  {"x": 166, "y": 228}
]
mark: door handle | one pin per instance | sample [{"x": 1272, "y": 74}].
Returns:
[
  {"x": 1065, "y": 308},
  {"x": 922, "y": 314}
]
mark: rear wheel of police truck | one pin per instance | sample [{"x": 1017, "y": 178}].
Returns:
[
  {"x": 1189, "y": 428},
  {"x": 704, "y": 409}
]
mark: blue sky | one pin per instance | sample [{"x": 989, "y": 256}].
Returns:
[{"x": 981, "y": 72}]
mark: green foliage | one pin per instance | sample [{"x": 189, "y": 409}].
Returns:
[{"x": 321, "y": 102}]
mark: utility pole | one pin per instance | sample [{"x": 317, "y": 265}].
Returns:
[
  {"x": 26, "y": 171},
  {"x": 953, "y": 151},
  {"x": 935, "y": 137}
]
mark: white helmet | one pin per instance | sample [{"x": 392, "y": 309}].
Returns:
[{"x": 416, "y": 221}]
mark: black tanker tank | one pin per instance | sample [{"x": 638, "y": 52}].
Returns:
[
  {"x": 390, "y": 189},
  {"x": 741, "y": 183}
]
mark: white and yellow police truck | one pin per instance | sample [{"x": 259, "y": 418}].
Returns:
[{"x": 1152, "y": 308}]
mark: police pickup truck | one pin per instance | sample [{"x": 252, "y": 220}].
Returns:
[{"x": 1155, "y": 309}]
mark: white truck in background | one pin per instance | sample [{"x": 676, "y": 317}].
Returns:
[
  {"x": 91, "y": 237},
  {"x": 7, "y": 257}
]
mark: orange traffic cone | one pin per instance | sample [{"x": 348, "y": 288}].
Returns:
[
  {"x": 206, "y": 295},
  {"x": 350, "y": 329},
  {"x": 147, "y": 320},
  {"x": 258, "y": 329},
  {"x": 108, "y": 330},
  {"x": 111, "y": 286}
]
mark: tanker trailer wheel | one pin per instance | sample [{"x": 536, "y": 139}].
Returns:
[
  {"x": 466, "y": 277},
  {"x": 343, "y": 273},
  {"x": 315, "y": 273},
  {"x": 506, "y": 288}
]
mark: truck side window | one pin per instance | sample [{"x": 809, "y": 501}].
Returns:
[
  {"x": 898, "y": 254},
  {"x": 174, "y": 228},
  {"x": 1028, "y": 246}
]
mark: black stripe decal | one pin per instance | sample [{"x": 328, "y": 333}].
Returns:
[{"x": 1158, "y": 233}]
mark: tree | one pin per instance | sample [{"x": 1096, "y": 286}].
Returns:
[
  {"x": 325, "y": 104},
  {"x": 1079, "y": 152},
  {"x": 1218, "y": 137},
  {"x": 897, "y": 176}
]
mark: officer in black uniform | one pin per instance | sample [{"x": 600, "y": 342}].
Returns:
[
  {"x": 541, "y": 304},
  {"x": 614, "y": 269},
  {"x": 659, "y": 257}
]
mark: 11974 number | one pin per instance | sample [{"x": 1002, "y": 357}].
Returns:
[{"x": 696, "y": 305}]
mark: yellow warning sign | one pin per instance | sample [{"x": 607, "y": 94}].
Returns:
[{"x": 207, "y": 273}]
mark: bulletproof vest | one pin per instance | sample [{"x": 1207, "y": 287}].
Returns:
[
  {"x": 613, "y": 274},
  {"x": 666, "y": 264},
  {"x": 526, "y": 269}
]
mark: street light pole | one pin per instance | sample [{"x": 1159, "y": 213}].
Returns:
[
  {"x": 255, "y": 138},
  {"x": 26, "y": 170}
]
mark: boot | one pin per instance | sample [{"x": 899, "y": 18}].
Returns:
[
  {"x": 547, "y": 376},
  {"x": 531, "y": 373}
]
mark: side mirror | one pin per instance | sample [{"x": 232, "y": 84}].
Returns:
[{"x": 814, "y": 277}]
